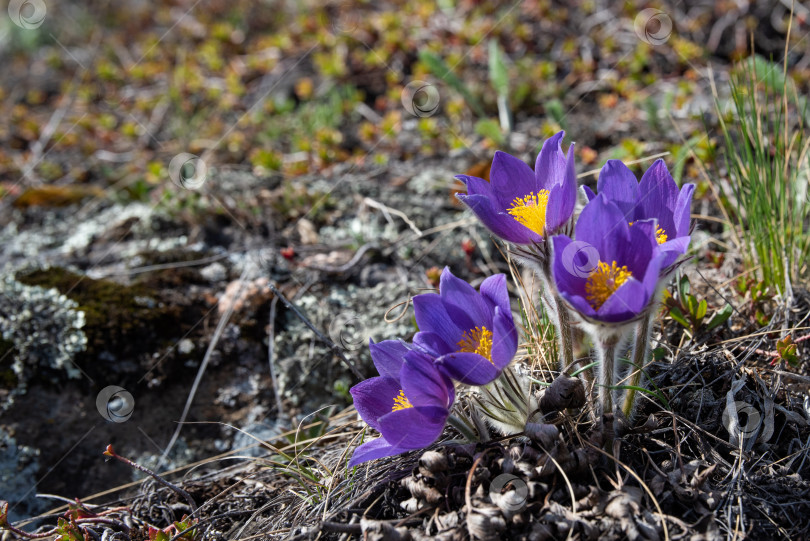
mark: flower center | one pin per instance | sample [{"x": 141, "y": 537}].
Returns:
[
  {"x": 660, "y": 234},
  {"x": 603, "y": 281},
  {"x": 477, "y": 340},
  {"x": 400, "y": 402},
  {"x": 530, "y": 211}
]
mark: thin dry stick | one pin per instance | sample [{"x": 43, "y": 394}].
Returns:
[
  {"x": 271, "y": 342},
  {"x": 331, "y": 345},
  {"x": 207, "y": 357}
]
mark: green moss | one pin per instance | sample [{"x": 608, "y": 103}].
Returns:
[{"x": 122, "y": 322}]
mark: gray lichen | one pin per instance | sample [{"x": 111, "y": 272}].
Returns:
[
  {"x": 43, "y": 326},
  {"x": 18, "y": 471},
  {"x": 310, "y": 375}
]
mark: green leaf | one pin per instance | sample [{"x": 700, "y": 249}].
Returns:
[
  {"x": 678, "y": 316},
  {"x": 490, "y": 129},
  {"x": 497, "y": 69},
  {"x": 692, "y": 305},
  {"x": 555, "y": 109},
  {"x": 683, "y": 287},
  {"x": 701, "y": 311},
  {"x": 787, "y": 350},
  {"x": 720, "y": 317},
  {"x": 440, "y": 69},
  {"x": 657, "y": 394},
  {"x": 584, "y": 368}
]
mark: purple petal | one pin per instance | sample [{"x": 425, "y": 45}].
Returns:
[
  {"x": 636, "y": 254},
  {"x": 573, "y": 263},
  {"x": 433, "y": 344},
  {"x": 468, "y": 368},
  {"x": 495, "y": 292},
  {"x": 376, "y": 448},
  {"x": 658, "y": 196},
  {"x": 466, "y": 178},
  {"x": 413, "y": 428},
  {"x": 387, "y": 356},
  {"x": 498, "y": 221},
  {"x": 620, "y": 186},
  {"x": 463, "y": 303},
  {"x": 422, "y": 382},
  {"x": 673, "y": 249},
  {"x": 374, "y": 398},
  {"x": 579, "y": 304},
  {"x": 651, "y": 276},
  {"x": 562, "y": 197},
  {"x": 431, "y": 316},
  {"x": 504, "y": 339},
  {"x": 550, "y": 166},
  {"x": 603, "y": 225},
  {"x": 589, "y": 195},
  {"x": 682, "y": 213},
  {"x": 510, "y": 178},
  {"x": 625, "y": 303}
]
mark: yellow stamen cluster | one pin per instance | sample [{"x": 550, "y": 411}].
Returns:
[
  {"x": 400, "y": 402},
  {"x": 530, "y": 211},
  {"x": 603, "y": 282},
  {"x": 660, "y": 234},
  {"x": 477, "y": 340}
]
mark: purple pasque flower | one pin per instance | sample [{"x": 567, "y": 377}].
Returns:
[
  {"x": 610, "y": 273},
  {"x": 407, "y": 404},
  {"x": 524, "y": 206},
  {"x": 471, "y": 333},
  {"x": 655, "y": 197}
]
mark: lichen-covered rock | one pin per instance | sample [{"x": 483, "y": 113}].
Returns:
[
  {"x": 310, "y": 374},
  {"x": 43, "y": 327},
  {"x": 18, "y": 470}
]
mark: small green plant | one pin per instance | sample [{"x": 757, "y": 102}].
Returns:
[
  {"x": 788, "y": 351},
  {"x": 757, "y": 295},
  {"x": 767, "y": 155},
  {"x": 690, "y": 312},
  {"x": 185, "y": 529}
]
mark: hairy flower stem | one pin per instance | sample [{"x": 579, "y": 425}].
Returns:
[
  {"x": 607, "y": 350},
  {"x": 640, "y": 355},
  {"x": 565, "y": 336}
]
